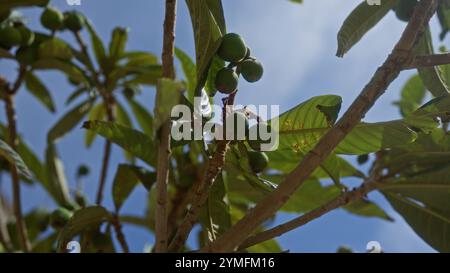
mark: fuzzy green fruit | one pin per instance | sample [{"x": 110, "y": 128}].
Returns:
[
  {"x": 251, "y": 70},
  {"x": 258, "y": 161},
  {"x": 9, "y": 37},
  {"x": 226, "y": 80},
  {"x": 27, "y": 55},
  {"x": 404, "y": 9},
  {"x": 27, "y": 36},
  {"x": 52, "y": 19},
  {"x": 74, "y": 21},
  {"x": 232, "y": 48},
  {"x": 258, "y": 137},
  {"x": 59, "y": 218},
  {"x": 236, "y": 126}
]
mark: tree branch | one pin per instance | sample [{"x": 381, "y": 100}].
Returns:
[
  {"x": 162, "y": 173},
  {"x": 429, "y": 61},
  {"x": 388, "y": 72},
  {"x": 119, "y": 234},
  {"x": 214, "y": 167},
  {"x": 12, "y": 133}
]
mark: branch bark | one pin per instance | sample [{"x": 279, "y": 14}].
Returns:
[
  {"x": 119, "y": 234},
  {"x": 388, "y": 72},
  {"x": 429, "y": 61},
  {"x": 162, "y": 173}
]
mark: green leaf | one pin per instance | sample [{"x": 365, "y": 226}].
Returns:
[
  {"x": 432, "y": 77},
  {"x": 443, "y": 13},
  {"x": 117, "y": 45},
  {"x": 122, "y": 117},
  {"x": 143, "y": 117},
  {"x": 412, "y": 96},
  {"x": 77, "y": 93},
  {"x": 207, "y": 34},
  {"x": 167, "y": 96},
  {"x": 133, "y": 141},
  {"x": 96, "y": 113},
  {"x": 68, "y": 68},
  {"x": 83, "y": 219},
  {"x": 146, "y": 76},
  {"x": 366, "y": 208},
  {"x": 126, "y": 179},
  {"x": 56, "y": 182},
  {"x": 190, "y": 72},
  {"x": 69, "y": 121},
  {"x": 138, "y": 58},
  {"x": 55, "y": 48},
  {"x": 39, "y": 91},
  {"x": 13, "y": 158},
  {"x": 97, "y": 45},
  {"x": 359, "y": 22}
]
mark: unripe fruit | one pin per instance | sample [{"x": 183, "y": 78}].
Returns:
[
  {"x": 258, "y": 161},
  {"x": 259, "y": 135},
  {"x": 4, "y": 15},
  {"x": 404, "y": 9},
  {"x": 232, "y": 48},
  {"x": 74, "y": 21},
  {"x": 52, "y": 19},
  {"x": 27, "y": 55},
  {"x": 251, "y": 70},
  {"x": 59, "y": 218},
  {"x": 9, "y": 37},
  {"x": 27, "y": 36},
  {"x": 236, "y": 126},
  {"x": 226, "y": 80}
]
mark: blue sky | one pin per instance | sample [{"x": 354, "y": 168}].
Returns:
[{"x": 296, "y": 44}]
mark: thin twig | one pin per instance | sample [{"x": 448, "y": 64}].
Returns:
[
  {"x": 214, "y": 167},
  {"x": 162, "y": 173},
  {"x": 388, "y": 72},
  {"x": 429, "y": 61},
  {"x": 17, "y": 204},
  {"x": 119, "y": 234}
]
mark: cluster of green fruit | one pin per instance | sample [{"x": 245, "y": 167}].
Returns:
[
  {"x": 404, "y": 9},
  {"x": 234, "y": 50},
  {"x": 55, "y": 20},
  {"x": 258, "y": 159},
  {"x": 13, "y": 33}
]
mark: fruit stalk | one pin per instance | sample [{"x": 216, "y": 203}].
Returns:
[
  {"x": 388, "y": 72},
  {"x": 162, "y": 173}
]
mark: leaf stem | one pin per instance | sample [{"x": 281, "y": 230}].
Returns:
[{"x": 387, "y": 73}]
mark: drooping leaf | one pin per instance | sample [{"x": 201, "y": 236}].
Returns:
[
  {"x": 13, "y": 158},
  {"x": 126, "y": 179},
  {"x": 69, "y": 121},
  {"x": 133, "y": 141},
  {"x": 432, "y": 77},
  {"x": 39, "y": 91},
  {"x": 83, "y": 219},
  {"x": 362, "y": 19}
]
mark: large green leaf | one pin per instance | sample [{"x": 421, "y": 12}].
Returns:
[
  {"x": 68, "y": 68},
  {"x": 82, "y": 220},
  {"x": 143, "y": 117},
  {"x": 133, "y": 141},
  {"x": 359, "y": 22},
  {"x": 69, "y": 121},
  {"x": 56, "y": 182},
  {"x": 13, "y": 158},
  {"x": 55, "y": 48},
  {"x": 412, "y": 96},
  {"x": 126, "y": 179},
  {"x": 189, "y": 71},
  {"x": 97, "y": 45},
  {"x": 432, "y": 77},
  {"x": 209, "y": 26},
  {"x": 39, "y": 91}
]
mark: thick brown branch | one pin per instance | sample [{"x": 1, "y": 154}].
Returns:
[
  {"x": 389, "y": 71},
  {"x": 17, "y": 204},
  {"x": 162, "y": 173},
  {"x": 429, "y": 61}
]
